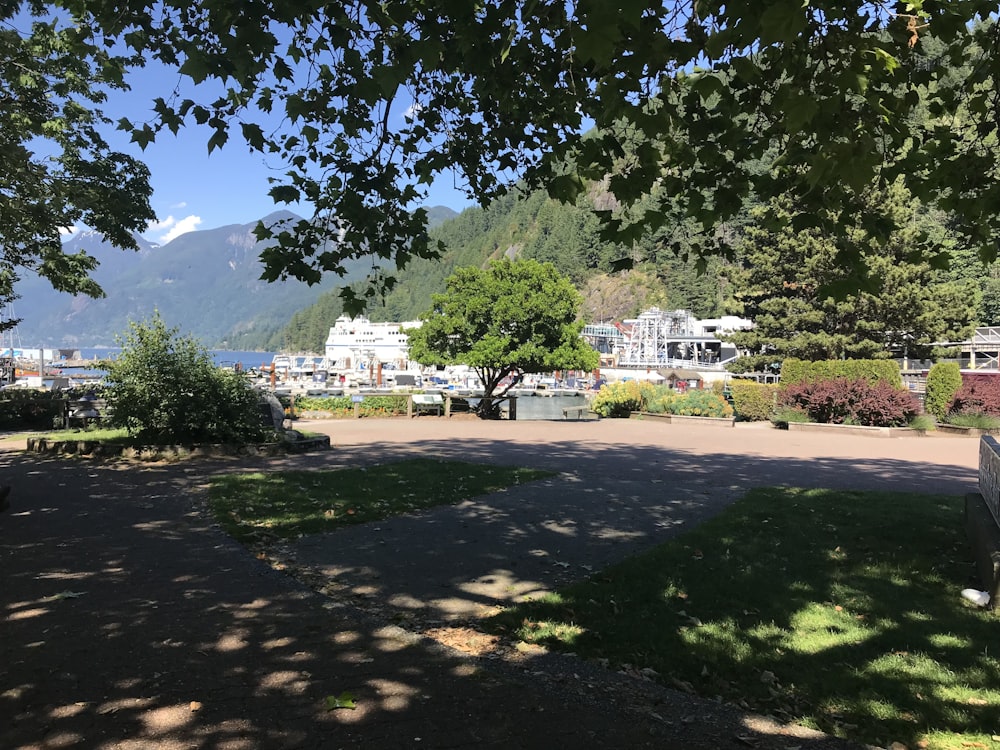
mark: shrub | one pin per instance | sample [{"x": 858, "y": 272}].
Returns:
[
  {"x": 699, "y": 403},
  {"x": 943, "y": 382},
  {"x": 29, "y": 408},
  {"x": 784, "y": 415},
  {"x": 621, "y": 399},
  {"x": 659, "y": 399},
  {"x": 165, "y": 388},
  {"x": 872, "y": 370},
  {"x": 753, "y": 402},
  {"x": 847, "y": 401},
  {"x": 976, "y": 396}
]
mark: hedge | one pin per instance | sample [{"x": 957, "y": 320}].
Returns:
[
  {"x": 753, "y": 402},
  {"x": 872, "y": 370},
  {"x": 943, "y": 382}
]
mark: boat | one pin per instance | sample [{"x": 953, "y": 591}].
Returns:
[{"x": 355, "y": 343}]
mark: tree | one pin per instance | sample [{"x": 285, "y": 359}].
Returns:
[
  {"x": 58, "y": 171},
  {"x": 165, "y": 388},
  {"x": 784, "y": 276},
  {"x": 512, "y": 318},
  {"x": 697, "y": 105}
]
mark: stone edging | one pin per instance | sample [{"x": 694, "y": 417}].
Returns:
[
  {"x": 852, "y": 429},
  {"x": 679, "y": 419},
  {"x": 98, "y": 449}
]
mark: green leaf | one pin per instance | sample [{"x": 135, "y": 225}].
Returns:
[
  {"x": 284, "y": 194},
  {"x": 254, "y": 135},
  {"x": 344, "y": 700},
  {"x": 218, "y": 139}
]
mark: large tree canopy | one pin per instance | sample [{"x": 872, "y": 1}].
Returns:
[
  {"x": 781, "y": 278},
  {"x": 58, "y": 171},
  {"x": 511, "y": 318},
  {"x": 696, "y": 105}
]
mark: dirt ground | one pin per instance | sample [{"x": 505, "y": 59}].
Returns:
[{"x": 131, "y": 621}]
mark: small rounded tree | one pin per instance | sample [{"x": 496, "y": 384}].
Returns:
[
  {"x": 943, "y": 382},
  {"x": 510, "y": 318},
  {"x": 165, "y": 388}
]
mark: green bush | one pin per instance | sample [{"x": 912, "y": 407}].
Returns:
[
  {"x": 785, "y": 415},
  {"x": 700, "y": 403},
  {"x": 618, "y": 400},
  {"x": 943, "y": 382},
  {"x": 795, "y": 371},
  {"x": 165, "y": 388},
  {"x": 343, "y": 406},
  {"x": 753, "y": 402},
  {"x": 29, "y": 408}
]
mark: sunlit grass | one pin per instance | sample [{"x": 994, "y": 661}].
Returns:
[
  {"x": 102, "y": 434},
  {"x": 839, "y": 610},
  {"x": 287, "y": 504}
]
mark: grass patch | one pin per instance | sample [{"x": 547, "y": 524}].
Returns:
[
  {"x": 287, "y": 504},
  {"x": 923, "y": 422},
  {"x": 117, "y": 435},
  {"x": 838, "y": 610},
  {"x": 976, "y": 421}
]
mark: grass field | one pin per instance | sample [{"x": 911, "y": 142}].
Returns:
[{"x": 287, "y": 504}]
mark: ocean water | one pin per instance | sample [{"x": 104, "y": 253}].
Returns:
[{"x": 220, "y": 356}]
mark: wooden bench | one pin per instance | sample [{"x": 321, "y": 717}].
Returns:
[
  {"x": 578, "y": 411},
  {"x": 427, "y": 402},
  {"x": 84, "y": 411}
]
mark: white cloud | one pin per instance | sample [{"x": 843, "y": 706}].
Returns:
[
  {"x": 182, "y": 204},
  {"x": 181, "y": 226},
  {"x": 66, "y": 231},
  {"x": 172, "y": 228},
  {"x": 162, "y": 225}
]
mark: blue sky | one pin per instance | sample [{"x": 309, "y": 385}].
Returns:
[{"x": 197, "y": 190}]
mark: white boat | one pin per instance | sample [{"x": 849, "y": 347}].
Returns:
[{"x": 357, "y": 342}]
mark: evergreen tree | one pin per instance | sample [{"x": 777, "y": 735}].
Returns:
[{"x": 791, "y": 285}]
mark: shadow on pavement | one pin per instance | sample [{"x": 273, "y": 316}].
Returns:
[{"x": 131, "y": 621}]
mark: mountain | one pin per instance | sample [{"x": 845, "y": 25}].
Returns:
[
  {"x": 206, "y": 283},
  {"x": 534, "y": 226}
]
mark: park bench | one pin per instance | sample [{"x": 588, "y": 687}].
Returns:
[
  {"x": 427, "y": 402},
  {"x": 577, "y": 412}
]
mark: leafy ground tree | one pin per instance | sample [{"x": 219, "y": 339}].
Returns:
[
  {"x": 165, "y": 388},
  {"x": 697, "y": 105},
  {"x": 58, "y": 170},
  {"x": 787, "y": 280},
  {"x": 511, "y": 318}
]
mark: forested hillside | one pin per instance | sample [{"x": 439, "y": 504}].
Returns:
[{"x": 533, "y": 226}]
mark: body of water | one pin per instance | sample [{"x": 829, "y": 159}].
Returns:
[{"x": 220, "y": 356}]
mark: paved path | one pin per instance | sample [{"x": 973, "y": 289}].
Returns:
[{"x": 130, "y": 621}]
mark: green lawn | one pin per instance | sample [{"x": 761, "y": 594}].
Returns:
[
  {"x": 838, "y": 610},
  {"x": 287, "y": 504}
]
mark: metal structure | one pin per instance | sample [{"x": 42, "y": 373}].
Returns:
[
  {"x": 668, "y": 338},
  {"x": 604, "y": 337},
  {"x": 984, "y": 349}
]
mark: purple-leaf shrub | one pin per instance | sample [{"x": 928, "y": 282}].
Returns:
[
  {"x": 977, "y": 396},
  {"x": 851, "y": 401}
]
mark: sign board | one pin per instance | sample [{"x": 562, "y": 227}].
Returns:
[
  {"x": 989, "y": 474},
  {"x": 357, "y": 399}
]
